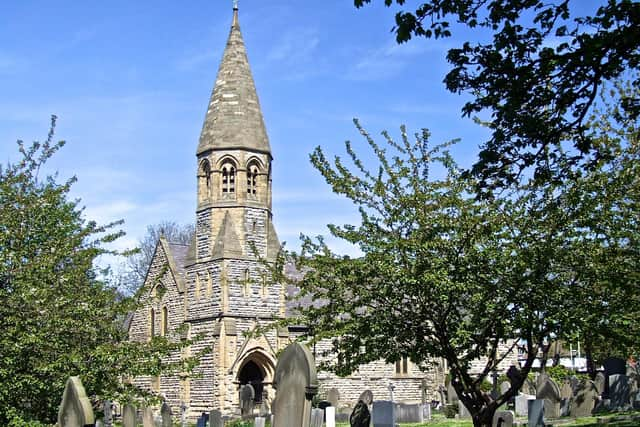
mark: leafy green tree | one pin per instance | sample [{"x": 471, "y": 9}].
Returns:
[
  {"x": 445, "y": 274},
  {"x": 537, "y": 74},
  {"x": 57, "y": 316}
]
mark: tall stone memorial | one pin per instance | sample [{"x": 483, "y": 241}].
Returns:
[
  {"x": 75, "y": 408},
  {"x": 296, "y": 383}
]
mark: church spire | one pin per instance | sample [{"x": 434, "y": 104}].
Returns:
[{"x": 234, "y": 118}]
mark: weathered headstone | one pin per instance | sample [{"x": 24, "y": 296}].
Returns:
[
  {"x": 360, "y": 417},
  {"x": 522, "y": 404},
  {"x": 247, "y": 399},
  {"x": 99, "y": 423},
  {"x": 426, "y": 412},
  {"x": 528, "y": 387},
  {"x": 129, "y": 416},
  {"x": 333, "y": 396},
  {"x": 463, "y": 412},
  {"x": 108, "y": 413},
  {"x": 612, "y": 366},
  {"x": 599, "y": 381},
  {"x": 503, "y": 419},
  {"x": 452, "y": 396},
  {"x": 75, "y": 408},
  {"x": 367, "y": 397},
  {"x": 504, "y": 387},
  {"x": 585, "y": 399},
  {"x": 619, "y": 392},
  {"x": 409, "y": 412},
  {"x": 296, "y": 383},
  {"x": 424, "y": 389},
  {"x": 215, "y": 418},
  {"x": 147, "y": 417},
  {"x": 383, "y": 413},
  {"x": 259, "y": 421},
  {"x": 265, "y": 407},
  {"x": 443, "y": 394},
  {"x": 566, "y": 395},
  {"x": 165, "y": 415},
  {"x": 535, "y": 413},
  {"x": 330, "y": 416},
  {"x": 317, "y": 417},
  {"x": 549, "y": 391}
]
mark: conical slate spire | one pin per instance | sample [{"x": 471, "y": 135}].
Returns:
[{"x": 234, "y": 118}]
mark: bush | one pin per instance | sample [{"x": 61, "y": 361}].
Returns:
[{"x": 450, "y": 411}]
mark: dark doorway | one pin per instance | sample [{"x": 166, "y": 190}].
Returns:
[{"x": 252, "y": 374}]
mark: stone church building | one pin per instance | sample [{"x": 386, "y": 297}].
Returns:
[{"x": 217, "y": 286}]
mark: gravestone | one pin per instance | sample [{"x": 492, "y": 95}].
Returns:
[
  {"x": 584, "y": 400},
  {"x": 317, "y": 417},
  {"x": 215, "y": 418},
  {"x": 330, "y": 416},
  {"x": 383, "y": 413},
  {"x": 265, "y": 407},
  {"x": 463, "y": 412},
  {"x": 202, "y": 420},
  {"x": 504, "y": 387},
  {"x": 503, "y": 419},
  {"x": 165, "y": 415},
  {"x": 108, "y": 413},
  {"x": 549, "y": 391},
  {"x": 247, "y": 399},
  {"x": 522, "y": 404},
  {"x": 535, "y": 411},
  {"x": 426, "y": 412},
  {"x": 528, "y": 387},
  {"x": 452, "y": 396},
  {"x": 75, "y": 408},
  {"x": 147, "y": 417},
  {"x": 183, "y": 414},
  {"x": 409, "y": 412},
  {"x": 360, "y": 417},
  {"x": 129, "y": 416},
  {"x": 424, "y": 387},
  {"x": 442, "y": 391},
  {"x": 599, "y": 381},
  {"x": 566, "y": 394},
  {"x": 633, "y": 383},
  {"x": 367, "y": 397},
  {"x": 333, "y": 396},
  {"x": 612, "y": 366},
  {"x": 99, "y": 423},
  {"x": 619, "y": 392},
  {"x": 296, "y": 383},
  {"x": 259, "y": 421}
]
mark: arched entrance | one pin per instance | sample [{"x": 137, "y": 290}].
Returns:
[
  {"x": 252, "y": 374},
  {"x": 256, "y": 369}
]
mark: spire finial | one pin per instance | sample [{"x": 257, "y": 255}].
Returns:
[{"x": 235, "y": 4}]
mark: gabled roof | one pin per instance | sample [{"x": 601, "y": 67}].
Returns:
[{"x": 234, "y": 118}]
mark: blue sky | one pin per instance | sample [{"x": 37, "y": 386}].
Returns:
[{"x": 130, "y": 83}]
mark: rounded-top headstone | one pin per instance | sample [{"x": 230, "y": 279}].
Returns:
[
  {"x": 75, "y": 409},
  {"x": 165, "y": 414},
  {"x": 367, "y": 397},
  {"x": 333, "y": 396},
  {"x": 129, "y": 418}
]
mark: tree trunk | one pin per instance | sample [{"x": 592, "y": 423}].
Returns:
[
  {"x": 484, "y": 418},
  {"x": 588, "y": 352}
]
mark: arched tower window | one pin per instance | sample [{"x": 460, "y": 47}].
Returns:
[
  {"x": 228, "y": 178},
  {"x": 204, "y": 181},
  {"x": 252, "y": 179}
]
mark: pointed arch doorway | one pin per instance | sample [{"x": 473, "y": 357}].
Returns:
[{"x": 257, "y": 369}]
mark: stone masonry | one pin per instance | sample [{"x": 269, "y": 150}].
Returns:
[{"x": 217, "y": 285}]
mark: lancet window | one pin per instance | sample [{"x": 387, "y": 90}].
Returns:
[
  {"x": 228, "y": 178},
  {"x": 252, "y": 179}
]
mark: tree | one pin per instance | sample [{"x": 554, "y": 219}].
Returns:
[
  {"x": 445, "y": 274},
  {"x": 58, "y": 317},
  {"x": 538, "y": 77},
  {"x": 137, "y": 264}
]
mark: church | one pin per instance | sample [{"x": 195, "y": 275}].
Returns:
[{"x": 218, "y": 286}]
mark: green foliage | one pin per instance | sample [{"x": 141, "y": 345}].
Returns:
[
  {"x": 450, "y": 411},
  {"x": 445, "y": 274},
  {"x": 558, "y": 373},
  {"x": 535, "y": 68},
  {"x": 58, "y": 316}
]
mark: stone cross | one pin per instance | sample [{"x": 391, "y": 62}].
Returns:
[
  {"x": 296, "y": 383},
  {"x": 75, "y": 408}
]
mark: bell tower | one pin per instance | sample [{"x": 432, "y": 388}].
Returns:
[{"x": 234, "y": 165}]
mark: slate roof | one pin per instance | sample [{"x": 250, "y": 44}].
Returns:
[{"x": 234, "y": 118}]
